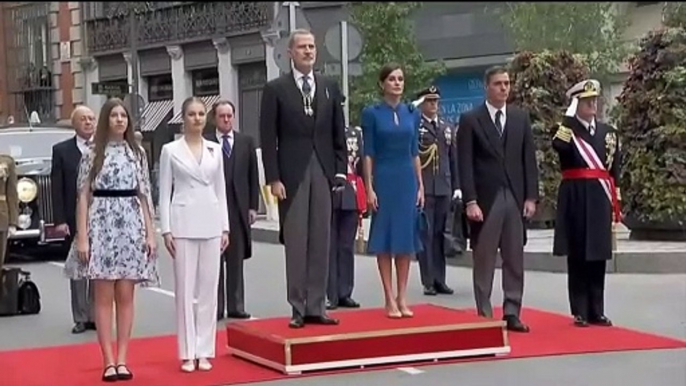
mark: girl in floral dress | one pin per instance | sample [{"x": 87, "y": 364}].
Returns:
[{"x": 114, "y": 246}]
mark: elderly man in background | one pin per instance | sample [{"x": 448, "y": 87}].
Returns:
[{"x": 66, "y": 157}]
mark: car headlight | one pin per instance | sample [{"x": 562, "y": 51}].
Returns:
[
  {"x": 24, "y": 221},
  {"x": 27, "y": 190}
]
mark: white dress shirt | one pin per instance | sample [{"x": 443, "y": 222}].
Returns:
[
  {"x": 590, "y": 126},
  {"x": 299, "y": 80},
  {"x": 493, "y": 110},
  {"x": 82, "y": 144},
  {"x": 220, "y": 138}
]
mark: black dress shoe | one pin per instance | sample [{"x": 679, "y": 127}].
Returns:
[
  {"x": 297, "y": 321},
  {"x": 79, "y": 328},
  {"x": 601, "y": 321},
  {"x": 110, "y": 374},
  {"x": 348, "y": 303},
  {"x": 514, "y": 324},
  {"x": 323, "y": 319},
  {"x": 123, "y": 373},
  {"x": 430, "y": 291},
  {"x": 443, "y": 289},
  {"x": 238, "y": 315},
  {"x": 330, "y": 305},
  {"x": 580, "y": 321},
  {"x": 90, "y": 326}
]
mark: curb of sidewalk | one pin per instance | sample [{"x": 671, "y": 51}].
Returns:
[{"x": 624, "y": 262}]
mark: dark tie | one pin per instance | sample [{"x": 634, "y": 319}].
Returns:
[
  {"x": 591, "y": 129},
  {"x": 498, "y": 122},
  {"x": 307, "y": 87},
  {"x": 226, "y": 145}
]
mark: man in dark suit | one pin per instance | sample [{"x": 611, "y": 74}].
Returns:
[
  {"x": 66, "y": 157},
  {"x": 242, "y": 193},
  {"x": 348, "y": 207},
  {"x": 499, "y": 180},
  {"x": 302, "y": 134},
  {"x": 438, "y": 155}
]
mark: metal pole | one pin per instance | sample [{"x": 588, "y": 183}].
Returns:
[
  {"x": 344, "y": 71},
  {"x": 291, "y": 16},
  {"x": 133, "y": 38}
]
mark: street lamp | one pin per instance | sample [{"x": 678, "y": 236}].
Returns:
[{"x": 132, "y": 9}]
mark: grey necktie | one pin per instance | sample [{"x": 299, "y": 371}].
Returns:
[{"x": 307, "y": 87}]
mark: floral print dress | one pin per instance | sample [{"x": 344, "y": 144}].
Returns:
[{"x": 116, "y": 228}]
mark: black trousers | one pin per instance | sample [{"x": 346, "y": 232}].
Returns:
[
  {"x": 342, "y": 255},
  {"x": 586, "y": 287}
]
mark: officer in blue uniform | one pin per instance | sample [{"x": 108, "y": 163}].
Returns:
[{"x": 438, "y": 156}]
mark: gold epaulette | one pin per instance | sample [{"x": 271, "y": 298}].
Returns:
[{"x": 563, "y": 133}]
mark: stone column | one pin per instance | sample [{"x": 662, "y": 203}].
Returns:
[
  {"x": 142, "y": 83},
  {"x": 270, "y": 202},
  {"x": 91, "y": 75},
  {"x": 228, "y": 76},
  {"x": 270, "y": 38},
  {"x": 181, "y": 79}
]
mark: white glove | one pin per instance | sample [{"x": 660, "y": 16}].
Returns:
[
  {"x": 457, "y": 194},
  {"x": 12, "y": 230}
]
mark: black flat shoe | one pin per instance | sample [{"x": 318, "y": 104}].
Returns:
[
  {"x": 110, "y": 376},
  {"x": 125, "y": 375}
]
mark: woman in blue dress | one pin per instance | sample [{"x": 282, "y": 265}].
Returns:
[{"x": 394, "y": 185}]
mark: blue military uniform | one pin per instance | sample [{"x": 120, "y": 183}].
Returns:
[
  {"x": 438, "y": 156},
  {"x": 346, "y": 215}
]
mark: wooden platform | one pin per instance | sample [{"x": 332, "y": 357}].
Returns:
[{"x": 367, "y": 337}]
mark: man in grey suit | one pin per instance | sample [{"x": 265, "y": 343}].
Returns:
[
  {"x": 66, "y": 157},
  {"x": 499, "y": 180},
  {"x": 302, "y": 134},
  {"x": 242, "y": 194}
]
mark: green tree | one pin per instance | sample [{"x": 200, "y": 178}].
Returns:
[
  {"x": 674, "y": 13},
  {"x": 388, "y": 36},
  {"x": 594, "y": 30}
]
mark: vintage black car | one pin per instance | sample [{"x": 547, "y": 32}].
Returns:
[{"x": 31, "y": 148}]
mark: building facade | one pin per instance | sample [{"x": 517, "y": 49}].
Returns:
[{"x": 204, "y": 49}]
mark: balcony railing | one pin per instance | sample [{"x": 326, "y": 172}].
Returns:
[{"x": 182, "y": 23}]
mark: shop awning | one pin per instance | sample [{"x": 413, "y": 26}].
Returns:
[
  {"x": 208, "y": 100},
  {"x": 154, "y": 113}
]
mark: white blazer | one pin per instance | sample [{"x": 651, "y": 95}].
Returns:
[{"x": 192, "y": 194}]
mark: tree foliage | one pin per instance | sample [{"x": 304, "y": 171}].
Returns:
[
  {"x": 388, "y": 36},
  {"x": 539, "y": 85},
  {"x": 674, "y": 14},
  {"x": 651, "y": 118},
  {"x": 577, "y": 28}
]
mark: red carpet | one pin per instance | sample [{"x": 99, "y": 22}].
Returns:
[{"x": 153, "y": 360}]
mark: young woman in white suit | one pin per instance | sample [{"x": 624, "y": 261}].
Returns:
[{"x": 195, "y": 227}]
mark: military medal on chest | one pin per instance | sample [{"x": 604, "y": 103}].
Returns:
[
  {"x": 610, "y": 147},
  {"x": 448, "y": 135}
]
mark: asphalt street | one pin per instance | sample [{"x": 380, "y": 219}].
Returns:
[{"x": 650, "y": 303}]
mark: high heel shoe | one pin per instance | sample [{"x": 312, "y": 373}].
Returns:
[
  {"x": 393, "y": 312},
  {"x": 204, "y": 364},
  {"x": 188, "y": 366},
  {"x": 110, "y": 374},
  {"x": 405, "y": 311}
]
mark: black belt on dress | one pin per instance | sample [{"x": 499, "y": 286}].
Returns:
[{"x": 115, "y": 193}]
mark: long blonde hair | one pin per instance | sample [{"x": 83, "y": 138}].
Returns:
[{"x": 102, "y": 134}]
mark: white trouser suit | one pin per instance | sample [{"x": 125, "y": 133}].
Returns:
[{"x": 196, "y": 216}]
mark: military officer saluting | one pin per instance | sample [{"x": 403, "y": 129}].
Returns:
[
  {"x": 438, "y": 156},
  {"x": 588, "y": 201},
  {"x": 9, "y": 203}
]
